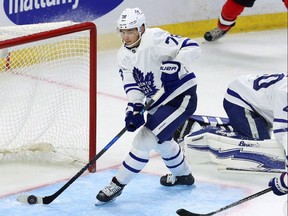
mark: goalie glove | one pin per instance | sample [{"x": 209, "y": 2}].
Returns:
[
  {"x": 134, "y": 118},
  {"x": 170, "y": 75}
]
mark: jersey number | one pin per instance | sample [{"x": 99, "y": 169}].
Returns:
[
  {"x": 173, "y": 38},
  {"x": 186, "y": 42},
  {"x": 266, "y": 81}
]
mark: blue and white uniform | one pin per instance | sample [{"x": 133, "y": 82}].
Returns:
[
  {"x": 139, "y": 69},
  {"x": 257, "y": 103}
]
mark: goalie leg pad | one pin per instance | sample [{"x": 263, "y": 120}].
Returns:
[
  {"x": 201, "y": 121},
  {"x": 228, "y": 148}
]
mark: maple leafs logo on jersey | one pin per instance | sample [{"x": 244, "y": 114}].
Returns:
[{"x": 146, "y": 83}]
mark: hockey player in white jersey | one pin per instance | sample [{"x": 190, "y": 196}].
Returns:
[
  {"x": 256, "y": 104},
  {"x": 151, "y": 58}
]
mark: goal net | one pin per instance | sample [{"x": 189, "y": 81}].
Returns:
[{"x": 48, "y": 92}]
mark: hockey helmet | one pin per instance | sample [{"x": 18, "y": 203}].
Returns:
[{"x": 131, "y": 18}]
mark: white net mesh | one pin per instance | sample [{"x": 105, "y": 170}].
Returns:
[{"x": 44, "y": 96}]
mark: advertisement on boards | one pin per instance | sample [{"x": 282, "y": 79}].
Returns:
[{"x": 22, "y": 12}]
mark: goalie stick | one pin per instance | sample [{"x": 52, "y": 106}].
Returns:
[
  {"x": 259, "y": 170},
  {"x": 184, "y": 212},
  {"x": 32, "y": 199}
]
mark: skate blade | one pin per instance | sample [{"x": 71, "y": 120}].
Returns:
[{"x": 100, "y": 203}]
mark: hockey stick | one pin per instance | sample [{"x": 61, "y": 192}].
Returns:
[
  {"x": 184, "y": 212},
  {"x": 32, "y": 199},
  {"x": 259, "y": 170}
]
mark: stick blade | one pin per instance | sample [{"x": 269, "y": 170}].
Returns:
[
  {"x": 184, "y": 212},
  {"x": 29, "y": 199}
]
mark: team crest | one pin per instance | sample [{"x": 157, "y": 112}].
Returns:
[{"x": 146, "y": 83}]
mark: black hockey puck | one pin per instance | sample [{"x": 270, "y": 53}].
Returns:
[{"x": 32, "y": 199}]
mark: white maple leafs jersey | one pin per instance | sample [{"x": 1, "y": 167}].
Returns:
[
  {"x": 265, "y": 94},
  {"x": 140, "y": 67}
]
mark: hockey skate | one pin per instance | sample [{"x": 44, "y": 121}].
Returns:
[
  {"x": 110, "y": 192},
  {"x": 214, "y": 34},
  {"x": 171, "y": 180}
]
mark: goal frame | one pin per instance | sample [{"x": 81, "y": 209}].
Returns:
[{"x": 91, "y": 27}]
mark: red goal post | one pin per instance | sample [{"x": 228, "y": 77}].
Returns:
[{"x": 48, "y": 92}]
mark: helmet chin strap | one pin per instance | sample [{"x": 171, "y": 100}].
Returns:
[{"x": 133, "y": 44}]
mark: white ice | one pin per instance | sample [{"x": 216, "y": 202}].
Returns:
[{"x": 220, "y": 62}]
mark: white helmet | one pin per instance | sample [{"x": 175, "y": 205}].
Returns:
[{"x": 131, "y": 18}]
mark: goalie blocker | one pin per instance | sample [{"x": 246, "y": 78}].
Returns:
[{"x": 211, "y": 139}]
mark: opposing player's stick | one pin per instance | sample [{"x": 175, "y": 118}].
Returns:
[
  {"x": 184, "y": 212},
  {"x": 32, "y": 199}
]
